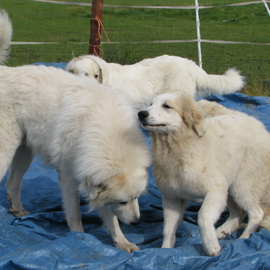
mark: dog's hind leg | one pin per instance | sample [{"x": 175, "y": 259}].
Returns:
[
  {"x": 8, "y": 146},
  {"x": 71, "y": 201},
  {"x": 248, "y": 200},
  {"x": 173, "y": 211},
  {"x": 234, "y": 221},
  {"x": 20, "y": 164},
  {"x": 254, "y": 212},
  {"x": 10, "y": 140},
  {"x": 266, "y": 219},
  {"x": 211, "y": 209},
  {"x": 112, "y": 225}
]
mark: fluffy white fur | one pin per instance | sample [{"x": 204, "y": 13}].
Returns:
[
  {"x": 83, "y": 129},
  {"x": 6, "y": 35},
  {"x": 223, "y": 158},
  {"x": 141, "y": 82}
]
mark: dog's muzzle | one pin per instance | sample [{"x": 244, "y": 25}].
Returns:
[
  {"x": 143, "y": 115},
  {"x": 135, "y": 222}
]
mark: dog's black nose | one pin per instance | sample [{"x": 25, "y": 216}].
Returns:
[
  {"x": 143, "y": 114},
  {"x": 135, "y": 222}
]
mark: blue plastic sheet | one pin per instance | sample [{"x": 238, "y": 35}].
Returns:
[{"x": 42, "y": 240}]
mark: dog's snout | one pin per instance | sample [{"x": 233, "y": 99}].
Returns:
[
  {"x": 143, "y": 114},
  {"x": 135, "y": 222}
]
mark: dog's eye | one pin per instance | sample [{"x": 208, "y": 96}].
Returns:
[
  {"x": 123, "y": 203},
  {"x": 166, "y": 106},
  {"x": 86, "y": 74},
  {"x": 96, "y": 76}
]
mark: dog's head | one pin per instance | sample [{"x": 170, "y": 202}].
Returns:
[
  {"x": 119, "y": 193},
  {"x": 173, "y": 111},
  {"x": 87, "y": 65}
]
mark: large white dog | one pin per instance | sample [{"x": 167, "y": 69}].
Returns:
[
  {"x": 83, "y": 129},
  {"x": 208, "y": 158},
  {"x": 141, "y": 82}
]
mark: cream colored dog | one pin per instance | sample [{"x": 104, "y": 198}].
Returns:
[
  {"x": 141, "y": 82},
  {"x": 209, "y": 158},
  {"x": 87, "y": 132}
]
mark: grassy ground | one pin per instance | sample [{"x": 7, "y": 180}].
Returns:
[
  {"x": 68, "y": 25},
  {"x": 163, "y": 2}
]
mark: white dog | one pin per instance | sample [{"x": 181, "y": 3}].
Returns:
[
  {"x": 207, "y": 158},
  {"x": 88, "y": 133},
  {"x": 141, "y": 82}
]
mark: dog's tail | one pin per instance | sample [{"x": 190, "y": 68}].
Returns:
[
  {"x": 5, "y": 35},
  {"x": 227, "y": 83}
]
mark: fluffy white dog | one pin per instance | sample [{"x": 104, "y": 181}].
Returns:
[
  {"x": 141, "y": 82},
  {"x": 88, "y": 133},
  {"x": 208, "y": 158}
]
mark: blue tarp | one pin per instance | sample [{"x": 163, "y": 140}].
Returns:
[{"x": 42, "y": 240}]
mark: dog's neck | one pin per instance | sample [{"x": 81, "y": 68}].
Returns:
[
  {"x": 174, "y": 138},
  {"x": 172, "y": 145}
]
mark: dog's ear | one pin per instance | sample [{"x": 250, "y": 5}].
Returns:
[
  {"x": 94, "y": 190},
  {"x": 102, "y": 66},
  {"x": 100, "y": 75},
  {"x": 193, "y": 116}
]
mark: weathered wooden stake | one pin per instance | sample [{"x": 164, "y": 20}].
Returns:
[{"x": 96, "y": 24}]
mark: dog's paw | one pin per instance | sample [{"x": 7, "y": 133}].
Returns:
[
  {"x": 226, "y": 229},
  {"x": 220, "y": 233},
  {"x": 127, "y": 246},
  {"x": 17, "y": 212},
  {"x": 212, "y": 250}
]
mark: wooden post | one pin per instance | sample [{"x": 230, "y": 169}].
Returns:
[{"x": 96, "y": 23}]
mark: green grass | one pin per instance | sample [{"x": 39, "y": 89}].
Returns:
[
  {"x": 162, "y": 2},
  {"x": 69, "y": 26}
]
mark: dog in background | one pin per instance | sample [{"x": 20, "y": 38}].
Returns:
[
  {"x": 141, "y": 82},
  {"x": 87, "y": 132},
  {"x": 223, "y": 159}
]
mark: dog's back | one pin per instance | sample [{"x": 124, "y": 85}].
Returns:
[{"x": 212, "y": 109}]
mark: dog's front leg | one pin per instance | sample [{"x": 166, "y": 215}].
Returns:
[
  {"x": 173, "y": 211},
  {"x": 211, "y": 209},
  {"x": 112, "y": 225},
  {"x": 71, "y": 201}
]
